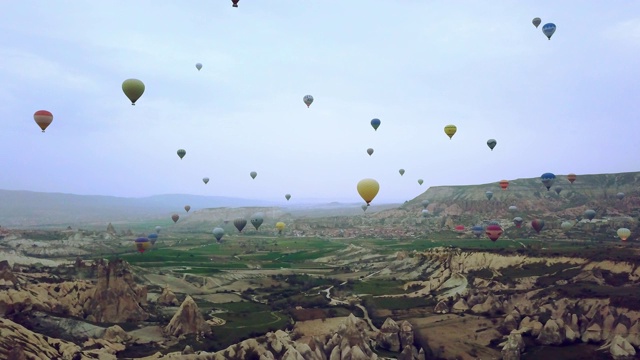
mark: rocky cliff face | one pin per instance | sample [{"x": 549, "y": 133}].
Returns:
[
  {"x": 116, "y": 298},
  {"x": 187, "y": 320}
]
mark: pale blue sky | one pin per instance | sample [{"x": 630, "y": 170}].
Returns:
[{"x": 566, "y": 105}]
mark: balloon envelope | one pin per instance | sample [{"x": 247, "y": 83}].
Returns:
[
  {"x": 181, "y": 153},
  {"x": 459, "y": 228},
  {"x": 477, "y": 230},
  {"x": 257, "y": 219},
  {"x": 558, "y": 189},
  {"x": 218, "y": 233},
  {"x": 153, "y": 238},
  {"x": 187, "y": 208},
  {"x": 133, "y": 89},
  {"x": 364, "y": 207},
  {"x": 308, "y": 100},
  {"x": 370, "y": 151},
  {"x": 571, "y": 178},
  {"x": 240, "y": 223},
  {"x": 287, "y": 196},
  {"x": 493, "y": 232},
  {"x": 547, "y": 180},
  {"x": 548, "y": 29},
  {"x": 420, "y": 181},
  {"x": 158, "y": 228},
  {"x": 198, "y": 66},
  {"x": 450, "y": 130},
  {"x": 401, "y": 171},
  {"x": 368, "y": 189},
  {"x": 491, "y": 143},
  {"x": 489, "y": 195},
  {"x": 537, "y": 225},
  {"x": 375, "y": 123},
  {"x": 590, "y": 214},
  {"x": 425, "y": 203},
  {"x": 253, "y": 174},
  {"x": 175, "y": 218},
  {"x": 624, "y": 233},
  {"x": 425, "y": 212},
  {"x": 205, "y": 180},
  {"x": 504, "y": 184},
  {"x": 517, "y": 221},
  {"x": 620, "y": 195},
  {"x": 536, "y": 22},
  {"x": 280, "y": 225},
  {"x": 566, "y": 225},
  {"x": 43, "y": 118},
  {"x": 513, "y": 208}
]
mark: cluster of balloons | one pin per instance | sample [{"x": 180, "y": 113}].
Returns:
[{"x": 547, "y": 29}]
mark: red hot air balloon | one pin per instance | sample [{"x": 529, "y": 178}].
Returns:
[
  {"x": 175, "y": 218},
  {"x": 235, "y": 3},
  {"x": 537, "y": 225},
  {"x": 571, "y": 178},
  {"x": 504, "y": 184},
  {"x": 493, "y": 232},
  {"x": 459, "y": 228},
  {"x": 43, "y": 118}
]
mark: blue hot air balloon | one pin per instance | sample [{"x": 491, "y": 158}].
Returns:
[
  {"x": 549, "y": 29},
  {"x": 477, "y": 230},
  {"x": 548, "y": 179},
  {"x": 375, "y": 123}
]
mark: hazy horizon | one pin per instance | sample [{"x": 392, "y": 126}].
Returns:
[{"x": 567, "y": 105}]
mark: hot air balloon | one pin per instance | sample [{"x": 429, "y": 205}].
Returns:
[
  {"x": 420, "y": 181},
  {"x": 491, "y": 143},
  {"x": 142, "y": 244},
  {"x": 489, "y": 195},
  {"x": 175, "y": 218},
  {"x": 450, "y": 130},
  {"x": 235, "y": 3},
  {"x": 218, "y": 233},
  {"x": 280, "y": 226},
  {"x": 153, "y": 238},
  {"x": 566, "y": 226},
  {"x": 375, "y": 123},
  {"x": 620, "y": 195},
  {"x": 253, "y": 174},
  {"x": 158, "y": 228},
  {"x": 133, "y": 89},
  {"x": 401, "y": 171},
  {"x": 364, "y": 207},
  {"x": 624, "y": 233},
  {"x": 493, "y": 232},
  {"x": 537, "y": 225},
  {"x": 205, "y": 180},
  {"x": 287, "y": 196},
  {"x": 513, "y": 208},
  {"x": 558, "y": 189},
  {"x": 425, "y": 212},
  {"x": 548, "y": 179},
  {"x": 459, "y": 228},
  {"x": 308, "y": 100},
  {"x": 370, "y": 151},
  {"x": 548, "y": 29},
  {"x": 504, "y": 184},
  {"x": 590, "y": 214},
  {"x": 477, "y": 230},
  {"x": 43, "y": 118},
  {"x": 257, "y": 219},
  {"x": 240, "y": 223},
  {"x": 536, "y": 22},
  {"x": 198, "y": 66},
  {"x": 571, "y": 178},
  {"x": 425, "y": 203},
  {"x": 181, "y": 153},
  {"x": 187, "y": 208},
  {"x": 517, "y": 221},
  {"x": 368, "y": 189}
]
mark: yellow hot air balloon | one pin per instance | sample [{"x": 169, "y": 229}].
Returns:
[
  {"x": 368, "y": 189},
  {"x": 280, "y": 225},
  {"x": 624, "y": 233},
  {"x": 450, "y": 130}
]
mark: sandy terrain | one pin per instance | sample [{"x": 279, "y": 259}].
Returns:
[
  {"x": 456, "y": 336},
  {"x": 318, "y": 327}
]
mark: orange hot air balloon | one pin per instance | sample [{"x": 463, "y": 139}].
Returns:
[
  {"x": 175, "y": 218},
  {"x": 504, "y": 184},
  {"x": 43, "y": 118},
  {"x": 571, "y": 178}
]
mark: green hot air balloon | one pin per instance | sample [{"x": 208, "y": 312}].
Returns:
[
  {"x": 566, "y": 226},
  {"x": 218, "y": 233},
  {"x": 257, "y": 219},
  {"x": 491, "y": 143},
  {"x": 401, "y": 171},
  {"x": 364, "y": 207},
  {"x": 420, "y": 181},
  {"x": 133, "y": 89},
  {"x": 489, "y": 195},
  {"x": 181, "y": 153},
  {"x": 253, "y": 174},
  {"x": 425, "y": 203},
  {"x": 590, "y": 214},
  {"x": 287, "y": 196}
]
